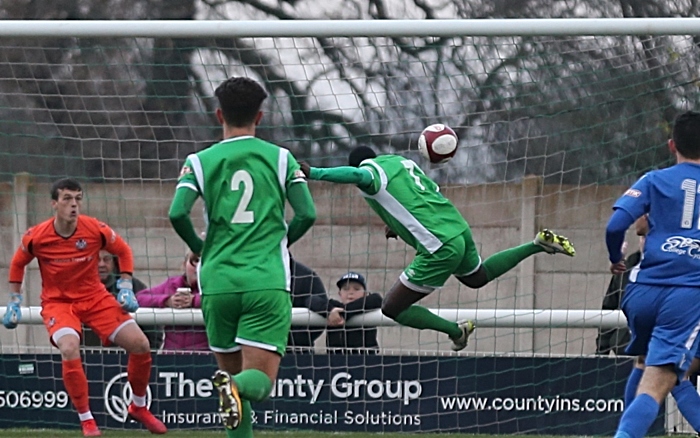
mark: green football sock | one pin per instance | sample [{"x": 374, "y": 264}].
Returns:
[
  {"x": 253, "y": 385},
  {"x": 245, "y": 427},
  {"x": 421, "y": 318},
  {"x": 502, "y": 262}
]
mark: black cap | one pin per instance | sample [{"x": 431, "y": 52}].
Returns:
[{"x": 352, "y": 276}]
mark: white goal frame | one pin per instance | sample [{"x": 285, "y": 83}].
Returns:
[
  {"x": 350, "y": 28},
  {"x": 499, "y": 318},
  {"x": 495, "y": 318}
]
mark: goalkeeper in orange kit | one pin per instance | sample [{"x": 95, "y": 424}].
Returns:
[{"x": 67, "y": 248}]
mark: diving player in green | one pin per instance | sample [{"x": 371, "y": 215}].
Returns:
[
  {"x": 411, "y": 206},
  {"x": 244, "y": 273}
]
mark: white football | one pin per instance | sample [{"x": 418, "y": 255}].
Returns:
[{"x": 438, "y": 143}]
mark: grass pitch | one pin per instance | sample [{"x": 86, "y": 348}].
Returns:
[{"x": 61, "y": 433}]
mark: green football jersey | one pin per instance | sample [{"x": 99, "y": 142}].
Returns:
[
  {"x": 411, "y": 204},
  {"x": 243, "y": 182}
]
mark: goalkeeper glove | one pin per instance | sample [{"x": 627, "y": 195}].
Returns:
[
  {"x": 13, "y": 313},
  {"x": 126, "y": 297}
]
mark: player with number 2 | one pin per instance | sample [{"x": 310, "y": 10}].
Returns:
[{"x": 244, "y": 272}]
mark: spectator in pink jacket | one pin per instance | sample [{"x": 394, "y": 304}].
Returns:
[{"x": 166, "y": 295}]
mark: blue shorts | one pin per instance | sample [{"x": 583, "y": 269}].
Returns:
[{"x": 664, "y": 321}]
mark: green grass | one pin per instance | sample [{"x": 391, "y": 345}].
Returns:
[{"x": 40, "y": 433}]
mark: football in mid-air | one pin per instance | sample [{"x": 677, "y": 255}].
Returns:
[{"x": 438, "y": 143}]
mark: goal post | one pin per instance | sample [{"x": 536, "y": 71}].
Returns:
[
  {"x": 350, "y": 28},
  {"x": 556, "y": 117},
  {"x": 488, "y": 318}
]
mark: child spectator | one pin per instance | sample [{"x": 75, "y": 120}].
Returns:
[{"x": 354, "y": 300}]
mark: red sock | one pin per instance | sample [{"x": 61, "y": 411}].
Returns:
[
  {"x": 76, "y": 384},
  {"x": 138, "y": 371}
]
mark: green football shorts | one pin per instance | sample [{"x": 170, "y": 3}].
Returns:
[
  {"x": 259, "y": 319},
  {"x": 428, "y": 272}
]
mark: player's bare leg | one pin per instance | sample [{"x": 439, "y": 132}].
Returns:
[
  {"x": 232, "y": 363},
  {"x": 657, "y": 381},
  {"x": 476, "y": 280},
  {"x": 68, "y": 342},
  {"x": 399, "y": 305},
  {"x": 255, "y": 369},
  {"x": 130, "y": 337}
]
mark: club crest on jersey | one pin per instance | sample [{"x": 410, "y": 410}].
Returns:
[
  {"x": 633, "y": 193},
  {"x": 185, "y": 171},
  {"x": 52, "y": 322},
  {"x": 81, "y": 244}
]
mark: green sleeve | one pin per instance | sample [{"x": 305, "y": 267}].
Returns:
[
  {"x": 304, "y": 211},
  {"x": 362, "y": 178},
  {"x": 179, "y": 215}
]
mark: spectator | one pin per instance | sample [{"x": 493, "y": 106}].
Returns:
[
  {"x": 108, "y": 268},
  {"x": 308, "y": 292},
  {"x": 172, "y": 293},
  {"x": 354, "y": 300}
]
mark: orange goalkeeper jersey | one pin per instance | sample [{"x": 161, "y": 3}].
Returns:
[{"x": 68, "y": 265}]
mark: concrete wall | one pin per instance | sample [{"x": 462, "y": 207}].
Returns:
[{"x": 349, "y": 236}]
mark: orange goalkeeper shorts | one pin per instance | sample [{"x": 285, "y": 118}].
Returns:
[{"x": 101, "y": 313}]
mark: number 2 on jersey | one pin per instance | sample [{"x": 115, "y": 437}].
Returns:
[
  {"x": 242, "y": 216},
  {"x": 690, "y": 187}
]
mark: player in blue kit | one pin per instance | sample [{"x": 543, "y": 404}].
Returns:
[{"x": 662, "y": 299}]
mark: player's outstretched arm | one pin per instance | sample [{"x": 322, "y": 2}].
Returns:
[
  {"x": 304, "y": 211},
  {"x": 179, "y": 216},
  {"x": 362, "y": 178}
]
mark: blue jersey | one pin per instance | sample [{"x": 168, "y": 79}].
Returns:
[{"x": 671, "y": 255}]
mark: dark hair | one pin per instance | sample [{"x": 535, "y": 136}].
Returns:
[
  {"x": 240, "y": 100},
  {"x": 686, "y": 134},
  {"x": 64, "y": 184},
  {"x": 360, "y": 154}
]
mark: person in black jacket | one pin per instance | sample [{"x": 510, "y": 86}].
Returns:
[
  {"x": 354, "y": 300},
  {"x": 309, "y": 292},
  {"x": 616, "y": 339}
]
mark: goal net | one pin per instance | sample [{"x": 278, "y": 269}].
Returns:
[{"x": 552, "y": 129}]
